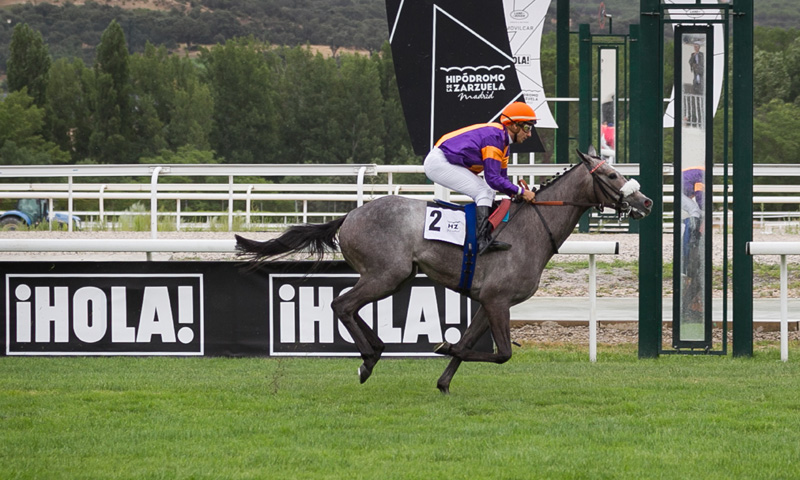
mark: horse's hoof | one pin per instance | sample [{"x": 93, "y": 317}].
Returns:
[
  {"x": 364, "y": 373},
  {"x": 442, "y": 349},
  {"x": 445, "y": 389}
]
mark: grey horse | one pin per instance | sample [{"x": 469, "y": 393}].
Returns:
[{"x": 383, "y": 241}]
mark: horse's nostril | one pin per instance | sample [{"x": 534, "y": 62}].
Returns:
[{"x": 648, "y": 203}]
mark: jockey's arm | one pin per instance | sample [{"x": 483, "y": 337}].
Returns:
[{"x": 497, "y": 178}]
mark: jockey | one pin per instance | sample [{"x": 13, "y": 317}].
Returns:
[{"x": 459, "y": 156}]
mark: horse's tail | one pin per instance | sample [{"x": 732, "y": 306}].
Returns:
[{"x": 315, "y": 239}]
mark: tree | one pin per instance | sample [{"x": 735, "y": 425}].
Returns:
[
  {"x": 358, "y": 112},
  {"x": 396, "y": 140},
  {"x": 68, "y": 106},
  {"x": 170, "y": 87},
  {"x": 111, "y": 103},
  {"x": 21, "y": 142},
  {"x": 305, "y": 84},
  {"x": 770, "y": 77},
  {"x": 792, "y": 57},
  {"x": 29, "y": 63},
  {"x": 776, "y": 139},
  {"x": 243, "y": 91}
]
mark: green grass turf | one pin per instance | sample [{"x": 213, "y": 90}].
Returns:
[{"x": 547, "y": 413}]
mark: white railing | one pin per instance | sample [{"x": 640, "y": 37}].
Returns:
[
  {"x": 783, "y": 249},
  {"x": 301, "y": 194}
]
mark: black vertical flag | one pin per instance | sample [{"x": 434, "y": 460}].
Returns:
[{"x": 453, "y": 64}]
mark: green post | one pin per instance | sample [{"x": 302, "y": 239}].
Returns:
[
  {"x": 562, "y": 82},
  {"x": 584, "y": 87},
  {"x": 585, "y": 102},
  {"x": 635, "y": 94},
  {"x": 649, "y": 148},
  {"x": 742, "y": 177}
]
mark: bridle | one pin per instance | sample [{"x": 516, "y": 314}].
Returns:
[
  {"x": 598, "y": 184},
  {"x": 601, "y": 185},
  {"x": 608, "y": 191}
]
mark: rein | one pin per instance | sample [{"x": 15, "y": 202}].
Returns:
[{"x": 566, "y": 203}]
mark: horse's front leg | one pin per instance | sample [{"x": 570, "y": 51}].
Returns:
[
  {"x": 499, "y": 319},
  {"x": 474, "y": 332}
]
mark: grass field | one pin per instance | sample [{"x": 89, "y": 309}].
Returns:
[{"x": 548, "y": 413}]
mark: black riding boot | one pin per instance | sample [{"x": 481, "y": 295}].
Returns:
[{"x": 484, "y": 232}]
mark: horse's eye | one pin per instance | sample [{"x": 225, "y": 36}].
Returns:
[{"x": 613, "y": 176}]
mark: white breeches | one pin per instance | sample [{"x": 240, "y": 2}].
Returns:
[{"x": 457, "y": 178}]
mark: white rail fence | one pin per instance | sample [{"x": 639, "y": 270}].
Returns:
[
  {"x": 783, "y": 249},
  {"x": 368, "y": 181}
]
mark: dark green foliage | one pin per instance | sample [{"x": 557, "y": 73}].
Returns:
[
  {"x": 245, "y": 100},
  {"x": 241, "y": 82},
  {"x": 29, "y": 63},
  {"x": 21, "y": 142},
  {"x": 112, "y": 119},
  {"x": 68, "y": 106}
]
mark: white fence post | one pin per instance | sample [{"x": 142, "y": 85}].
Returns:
[
  {"x": 592, "y": 249},
  {"x": 592, "y": 309},
  {"x": 784, "y": 310},
  {"x": 230, "y": 203},
  {"x": 154, "y": 203},
  {"x": 782, "y": 249},
  {"x": 247, "y": 207},
  {"x": 178, "y": 215},
  {"x": 69, "y": 206},
  {"x": 361, "y": 172},
  {"x": 102, "y": 204}
]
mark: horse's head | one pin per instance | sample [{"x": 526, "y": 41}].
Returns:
[{"x": 611, "y": 188}]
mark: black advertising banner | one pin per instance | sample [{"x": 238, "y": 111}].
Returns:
[
  {"x": 453, "y": 65},
  {"x": 211, "y": 308}
]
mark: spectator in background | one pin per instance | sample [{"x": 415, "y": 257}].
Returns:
[{"x": 697, "y": 64}]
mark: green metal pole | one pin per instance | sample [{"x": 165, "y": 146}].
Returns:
[
  {"x": 585, "y": 87},
  {"x": 650, "y": 159},
  {"x": 562, "y": 81},
  {"x": 634, "y": 128},
  {"x": 635, "y": 95},
  {"x": 585, "y": 102},
  {"x": 742, "y": 177}
]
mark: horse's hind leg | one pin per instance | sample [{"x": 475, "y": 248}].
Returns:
[
  {"x": 474, "y": 332},
  {"x": 346, "y": 307}
]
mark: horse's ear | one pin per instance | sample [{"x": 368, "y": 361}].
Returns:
[
  {"x": 583, "y": 156},
  {"x": 592, "y": 151}
]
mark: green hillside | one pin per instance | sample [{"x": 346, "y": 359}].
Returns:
[{"x": 73, "y": 30}]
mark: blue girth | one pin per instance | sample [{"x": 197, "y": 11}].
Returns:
[{"x": 470, "y": 251}]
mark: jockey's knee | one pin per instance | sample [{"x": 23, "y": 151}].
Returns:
[{"x": 485, "y": 198}]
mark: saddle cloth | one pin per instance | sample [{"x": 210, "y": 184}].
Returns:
[{"x": 446, "y": 222}]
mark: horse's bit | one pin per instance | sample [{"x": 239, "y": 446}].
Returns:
[{"x": 620, "y": 205}]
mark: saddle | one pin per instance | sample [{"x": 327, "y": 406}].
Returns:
[{"x": 498, "y": 213}]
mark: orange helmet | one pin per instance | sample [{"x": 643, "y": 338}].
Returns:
[{"x": 517, "y": 112}]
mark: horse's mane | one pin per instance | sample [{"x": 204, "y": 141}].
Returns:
[{"x": 550, "y": 181}]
